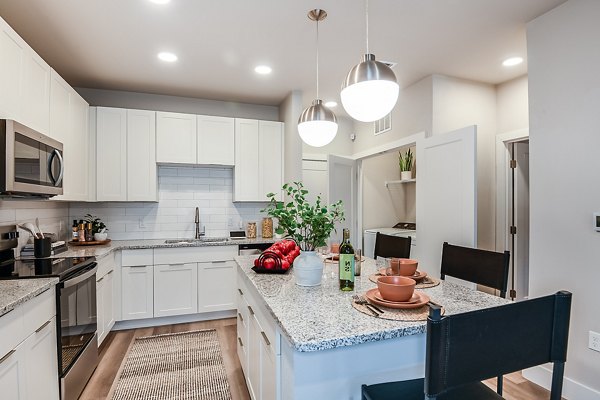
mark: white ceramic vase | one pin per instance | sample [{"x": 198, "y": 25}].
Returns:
[
  {"x": 405, "y": 175},
  {"x": 308, "y": 269}
]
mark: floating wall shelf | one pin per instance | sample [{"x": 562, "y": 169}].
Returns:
[{"x": 398, "y": 182}]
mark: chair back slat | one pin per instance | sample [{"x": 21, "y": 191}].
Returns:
[
  {"x": 391, "y": 246},
  {"x": 483, "y": 267},
  {"x": 482, "y": 344}
]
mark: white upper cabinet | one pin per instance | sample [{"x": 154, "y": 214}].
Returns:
[
  {"x": 141, "y": 156},
  {"x": 176, "y": 138},
  {"x": 36, "y": 90},
  {"x": 111, "y": 154},
  {"x": 258, "y": 159},
  {"x": 12, "y": 53},
  {"x": 69, "y": 125},
  {"x": 24, "y": 82},
  {"x": 125, "y": 154},
  {"x": 270, "y": 157},
  {"x": 216, "y": 140}
]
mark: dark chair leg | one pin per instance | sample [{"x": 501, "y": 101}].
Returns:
[
  {"x": 362, "y": 392},
  {"x": 557, "y": 380},
  {"x": 500, "y": 385}
]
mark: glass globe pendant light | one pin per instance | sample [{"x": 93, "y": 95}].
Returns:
[
  {"x": 370, "y": 90},
  {"x": 317, "y": 124}
]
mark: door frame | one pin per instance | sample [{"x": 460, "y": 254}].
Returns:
[
  {"x": 502, "y": 182},
  {"x": 372, "y": 152}
]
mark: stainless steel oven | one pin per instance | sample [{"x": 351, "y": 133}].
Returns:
[
  {"x": 77, "y": 339},
  {"x": 31, "y": 163}
]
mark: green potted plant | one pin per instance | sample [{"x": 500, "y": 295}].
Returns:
[
  {"x": 310, "y": 225},
  {"x": 406, "y": 163},
  {"x": 98, "y": 227}
]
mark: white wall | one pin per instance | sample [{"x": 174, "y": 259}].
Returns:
[
  {"x": 289, "y": 110},
  {"x": 156, "y": 102},
  {"x": 53, "y": 216},
  {"x": 412, "y": 114},
  {"x": 458, "y": 103},
  {"x": 341, "y": 145},
  {"x": 385, "y": 206},
  {"x": 512, "y": 105},
  {"x": 180, "y": 191},
  {"x": 564, "y": 98}
]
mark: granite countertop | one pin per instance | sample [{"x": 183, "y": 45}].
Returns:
[
  {"x": 114, "y": 245},
  {"x": 322, "y": 317},
  {"x": 18, "y": 291}
]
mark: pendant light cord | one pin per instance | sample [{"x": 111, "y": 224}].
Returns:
[
  {"x": 317, "y": 57},
  {"x": 367, "y": 22}
]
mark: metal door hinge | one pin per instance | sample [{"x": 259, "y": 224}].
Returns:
[
  {"x": 513, "y": 230},
  {"x": 513, "y": 164}
]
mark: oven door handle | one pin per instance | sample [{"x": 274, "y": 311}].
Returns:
[{"x": 80, "y": 278}]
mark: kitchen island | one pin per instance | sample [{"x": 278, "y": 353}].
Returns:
[{"x": 310, "y": 343}]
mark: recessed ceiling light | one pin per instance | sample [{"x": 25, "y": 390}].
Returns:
[
  {"x": 160, "y": 1},
  {"x": 263, "y": 69},
  {"x": 331, "y": 104},
  {"x": 511, "y": 62},
  {"x": 166, "y": 56}
]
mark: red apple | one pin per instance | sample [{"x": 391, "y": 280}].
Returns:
[{"x": 269, "y": 263}]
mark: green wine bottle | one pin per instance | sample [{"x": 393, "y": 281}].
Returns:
[{"x": 346, "y": 265}]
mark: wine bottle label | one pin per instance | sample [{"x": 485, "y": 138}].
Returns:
[{"x": 347, "y": 267}]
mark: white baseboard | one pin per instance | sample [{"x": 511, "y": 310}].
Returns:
[
  {"x": 178, "y": 319},
  {"x": 572, "y": 390}
]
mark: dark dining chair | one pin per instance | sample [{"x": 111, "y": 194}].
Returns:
[
  {"x": 391, "y": 246},
  {"x": 487, "y": 268},
  {"x": 464, "y": 349}
]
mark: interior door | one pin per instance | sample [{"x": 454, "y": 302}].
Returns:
[
  {"x": 342, "y": 175},
  {"x": 520, "y": 253},
  {"x": 446, "y": 194}
]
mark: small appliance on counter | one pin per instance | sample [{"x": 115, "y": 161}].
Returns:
[{"x": 75, "y": 308}]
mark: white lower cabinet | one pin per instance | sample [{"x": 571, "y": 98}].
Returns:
[
  {"x": 12, "y": 374},
  {"x": 105, "y": 294},
  {"x": 41, "y": 363},
  {"x": 257, "y": 348},
  {"x": 216, "y": 286},
  {"x": 137, "y": 284},
  {"x": 175, "y": 289},
  {"x": 28, "y": 358}
]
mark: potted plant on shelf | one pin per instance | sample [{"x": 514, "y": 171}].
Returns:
[
  {"x": 406, "y": 163},
  {"x": 98, "y": 227},
  {"x": 308, "y": 224}
]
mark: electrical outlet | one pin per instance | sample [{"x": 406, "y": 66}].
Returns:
[{"x": 594, "y": 342}]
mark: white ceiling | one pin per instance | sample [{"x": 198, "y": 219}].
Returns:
[{"x": 112, "y": 44}]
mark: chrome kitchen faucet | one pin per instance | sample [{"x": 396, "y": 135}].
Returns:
[{"x": 197, "y": 221}]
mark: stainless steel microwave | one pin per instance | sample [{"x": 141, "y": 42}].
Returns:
[{"x": 31, "y": 163}]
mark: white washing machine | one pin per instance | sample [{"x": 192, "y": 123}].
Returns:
[{"x": 402, "y": 229}]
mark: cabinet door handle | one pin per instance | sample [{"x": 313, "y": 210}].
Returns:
[
  {"x": 241, "y": 293},
  {"x": 265, "y": 337},
  {"x": 219, "y": 262},
  {"x": 10, "y": 353},
  {"x": 239, "y": 340},
  {"x": 136, "y": 266},
  {"x": 251, "y": 310},
  {"x": 99, "y": 280},
  {"x": 110, "y": 272},
  {"x": 42, "y": 327},
  {"x": 240, "y": 315},
  {"x": 176, "y": 264}
]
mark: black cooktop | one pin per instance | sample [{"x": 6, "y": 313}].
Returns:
[{"x": 43, "y": 267}]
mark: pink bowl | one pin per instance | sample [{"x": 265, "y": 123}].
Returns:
[
  {"x": 396, "y": 288},
  {"x": 403, "y": 266}
]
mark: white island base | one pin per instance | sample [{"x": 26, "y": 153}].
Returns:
[{"x": 339, "y": 373}]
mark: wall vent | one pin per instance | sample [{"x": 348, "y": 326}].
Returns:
[{"x": 382, "y": 125}]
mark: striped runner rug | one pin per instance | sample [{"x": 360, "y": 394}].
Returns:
[{"x": 186, "y": 365}]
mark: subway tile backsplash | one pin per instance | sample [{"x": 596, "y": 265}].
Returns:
[{"x": 180, "y": 191}]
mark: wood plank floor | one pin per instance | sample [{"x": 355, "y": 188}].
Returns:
[{"x": 116, "y": 344}]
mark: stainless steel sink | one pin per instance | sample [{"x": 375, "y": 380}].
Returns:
[{"x": 201, "y": 240}]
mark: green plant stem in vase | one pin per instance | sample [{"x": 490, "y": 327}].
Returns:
[
  {"x": 405, "y": 160},
  {"x": 97, "y": 224}
]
